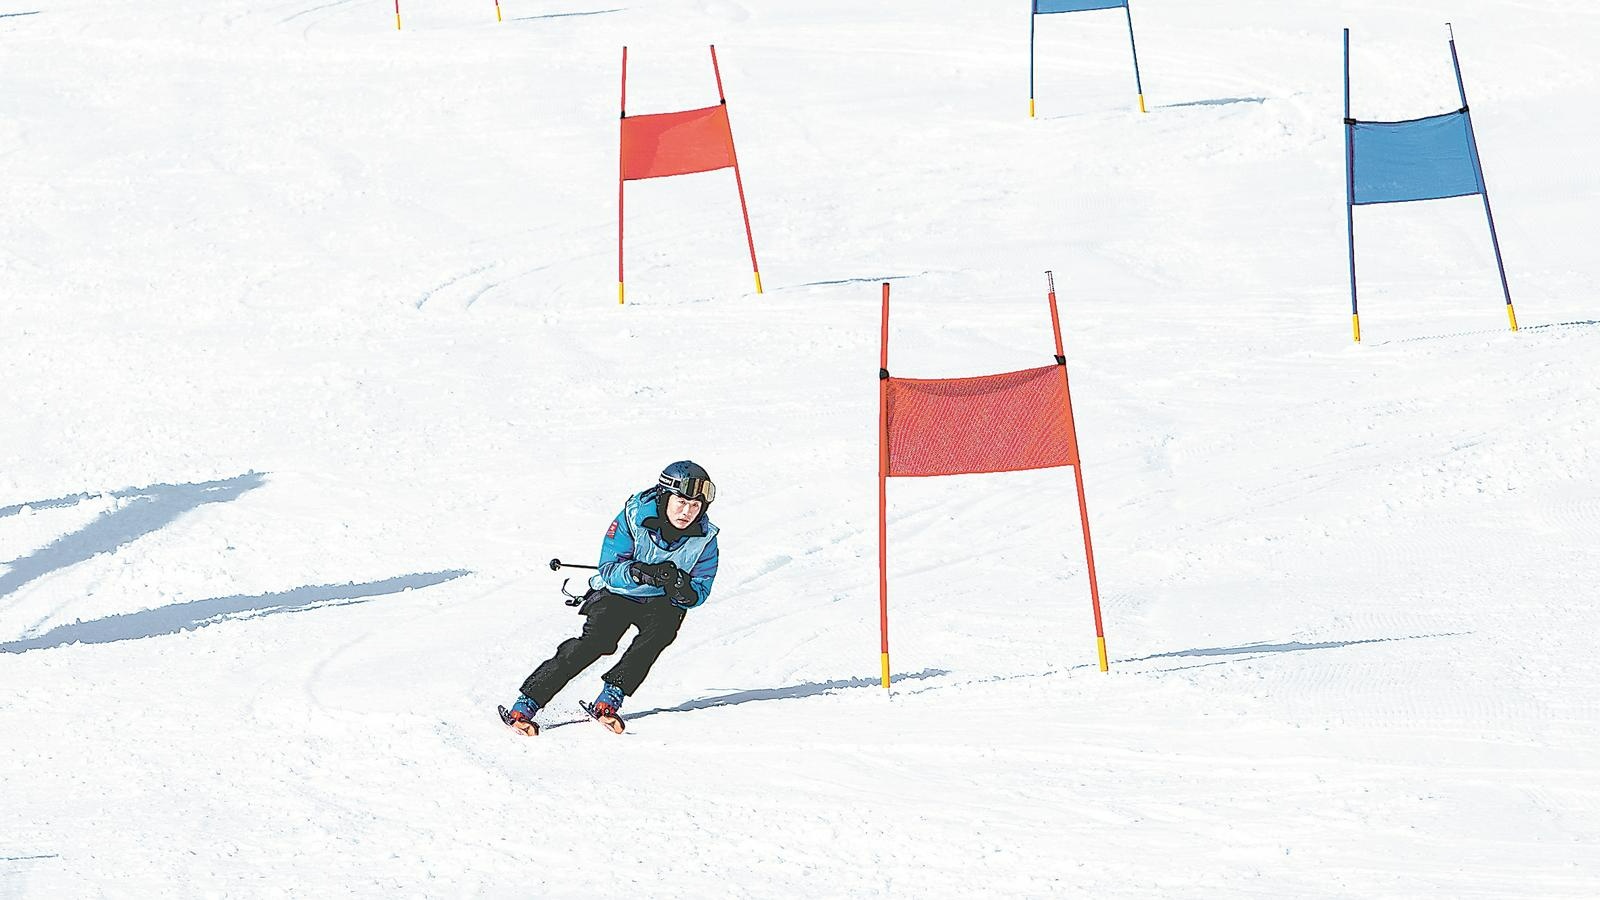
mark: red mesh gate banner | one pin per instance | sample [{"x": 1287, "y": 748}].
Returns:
[
  {"x": 990, "y": 423},
  {"x": 676, "y": 143},
  {"x": 660, "y": 145}
]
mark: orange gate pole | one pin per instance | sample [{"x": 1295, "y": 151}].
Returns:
[
  {"x": 738, "y": 180},
  {"x": 1077, "y": 474},
  {"x": 883, "y": 487},
  {"x": 620, "y": 170}
]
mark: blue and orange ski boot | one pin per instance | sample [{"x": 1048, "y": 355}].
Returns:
[{"x": 520, "y": 716}]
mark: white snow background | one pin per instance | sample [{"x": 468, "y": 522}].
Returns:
[{"x": 312, "y": 360}]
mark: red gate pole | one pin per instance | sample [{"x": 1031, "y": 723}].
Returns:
[
  {"x": 883, "y": 486},
  {"x": 396, "y": 15},
  {"x": 497, "y": 17},
  {"x": 1077, "y": 474},
  {"x": 621, "y": 169},
  {"x": 738, "y": 180}
]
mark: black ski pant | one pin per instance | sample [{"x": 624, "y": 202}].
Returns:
[{"x": 607, "y": 617}]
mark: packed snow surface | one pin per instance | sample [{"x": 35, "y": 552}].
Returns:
[{"x": 312, "y": 360}]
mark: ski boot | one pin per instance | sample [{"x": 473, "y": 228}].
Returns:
[
  {"x": 520, "y": 717},
  {"x": 604, "y": 709}
]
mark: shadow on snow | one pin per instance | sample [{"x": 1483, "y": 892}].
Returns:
[
  {"x": 592, "y": 12},
  {"x": 1585, "y": 323},
  {"x": 814, "y": 689},
  {"x": 876, "y": 280},
  {"x": 1219, "y": 101},
  {"x": 1215, "y": 101},
  {"x": 150, "y": 509},
  {"x": 1250, "y": 652},
  {"x": 201, "y": 613},
  {"x": 1288, "y": 647},
  {"x": 792, "y": 692}
]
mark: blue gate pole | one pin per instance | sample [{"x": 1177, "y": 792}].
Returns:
[
  {"x": 1350, "y": 188},
  {"x": 1138, "y": 85},
  {"x": 1483, "y": 189},
  {"x": 1033, "y": 19}
]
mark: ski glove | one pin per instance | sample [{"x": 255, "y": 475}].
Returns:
[
  {"x": 680, "y": 591},
  {"x": 658, "y": 574}
]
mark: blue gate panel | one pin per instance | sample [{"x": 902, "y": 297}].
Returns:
[
  {"x": 1421, "y": 159},
  {"x": 1040, "y": 7}
]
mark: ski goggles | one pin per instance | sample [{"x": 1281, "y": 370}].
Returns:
[{"x": 692, "y": 488}]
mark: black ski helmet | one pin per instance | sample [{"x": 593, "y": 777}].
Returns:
[{"x": 688, "y": 480}]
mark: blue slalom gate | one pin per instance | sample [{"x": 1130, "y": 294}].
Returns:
[
  {"x": 1430, "y": 158},
  {"x": 1048, "y": 7}
]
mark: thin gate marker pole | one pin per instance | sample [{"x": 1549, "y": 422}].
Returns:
[
  {"x": 738, "y": 180},
  {"x": 1033, "y": 22},
  {"x": 1483, "y": 189},
  {"x": 1137, "y": 82},
  {"x": 1077, "y": 474},
  {"x": 883, "y": 487},
  {"x": 620, "y": 170},
  {"x": 1350, "y": 188}
]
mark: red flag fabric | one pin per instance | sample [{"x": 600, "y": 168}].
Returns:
[
  {"x": 677, "y": 143},
  {"x": 991, "y": 423}
]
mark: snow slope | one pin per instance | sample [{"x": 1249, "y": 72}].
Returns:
[{"x": 312, "y": 360}]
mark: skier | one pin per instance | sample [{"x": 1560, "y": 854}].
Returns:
[{"x": 658, "y": 560}]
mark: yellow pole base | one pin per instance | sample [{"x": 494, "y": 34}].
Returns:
[
  {"x": 396, "y": 21},
  {"x": 1355, "y": 326},
  {"x": 1104, "y": 666},
  {"x": 1030, "y": 108},
  {"x": 758, "y": 282},
  {"x": 1141, "y": 104},
  {"x": 497, "y": 16},
  {"x": 619, "y": 293},
  {"x": 1511, "y": 313},
  {"x": 886, "y": 671}
]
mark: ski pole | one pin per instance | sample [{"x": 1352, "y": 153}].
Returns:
[{"x": 572, "y": 599}]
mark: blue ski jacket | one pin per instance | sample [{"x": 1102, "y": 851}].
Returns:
[{"x": 635, "y": 536}]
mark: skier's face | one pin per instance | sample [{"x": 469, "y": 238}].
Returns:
[{"x": 681, "y": 511}]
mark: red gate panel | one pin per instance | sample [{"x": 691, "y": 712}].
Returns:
[
  {"x": 990, "y": 423},
  {"x": 676, "y": 143}
]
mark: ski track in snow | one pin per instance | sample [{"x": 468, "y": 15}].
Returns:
[{"x": 314, "y": 9}]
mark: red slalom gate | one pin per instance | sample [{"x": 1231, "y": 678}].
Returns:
[
  {"x": 660, "y": 145},
  {"x": 1008, "y": 422}
]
